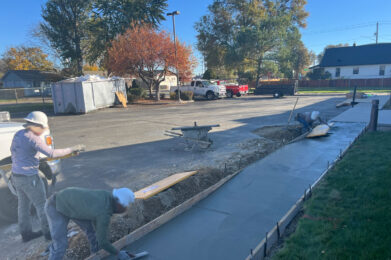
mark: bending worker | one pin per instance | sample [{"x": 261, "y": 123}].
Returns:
[
  {"x": 91, "y": 210},
  {"x": 25, "y": 150},
  {"x": 308, "y": 119}
]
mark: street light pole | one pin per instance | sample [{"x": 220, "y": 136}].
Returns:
[{"x": 176, "y": 60}]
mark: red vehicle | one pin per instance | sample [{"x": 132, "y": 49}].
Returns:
[{"x": 233, "y": 89}]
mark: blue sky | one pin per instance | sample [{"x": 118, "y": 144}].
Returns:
[{"x": 330, "y": 21}]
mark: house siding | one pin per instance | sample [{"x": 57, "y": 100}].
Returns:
[
  {"x": 12, "y": 80},
  {"x": 365, "y": 72}
]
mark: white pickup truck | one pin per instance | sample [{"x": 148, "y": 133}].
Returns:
[
  {"x": 203, "y": 88},
  {"x": 48, "y": 170}
]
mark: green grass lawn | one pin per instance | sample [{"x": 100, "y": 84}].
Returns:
[
  {"x": 26, "y": 107},
  {"x": 349, "y": 214}
]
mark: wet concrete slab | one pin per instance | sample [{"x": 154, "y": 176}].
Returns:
[
  {"x": 235, "y": 218},
  {"x": 362, "y": 112}
]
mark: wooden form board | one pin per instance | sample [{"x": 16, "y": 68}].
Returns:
[
  {"x": 6, "y": 167},
  {"x": 159, "y": 221},
  {"x": 121, "y": 97},
  {"x": 162, "y": 185}
]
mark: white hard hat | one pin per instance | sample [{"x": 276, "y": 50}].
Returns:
[
  {"x": 125, "y": 196},
  {"x": 38, "y": 117},
  {"x": 315, "y": 115}
]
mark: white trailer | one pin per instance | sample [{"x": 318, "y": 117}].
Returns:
[{"x": 82, "y": 95}]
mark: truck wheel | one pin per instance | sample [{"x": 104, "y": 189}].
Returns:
[
  {"x": 210, "y": 95},
  {"x": 238, "y": 94},
  {"x": 278, "y": 95},
  {"x": 229, "y": 94}
]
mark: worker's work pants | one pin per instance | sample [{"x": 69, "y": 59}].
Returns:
[
  {"x": 30, "y": 189},
  {"x": 306, "y": 125},
  {"x": 58, "y": 224}
]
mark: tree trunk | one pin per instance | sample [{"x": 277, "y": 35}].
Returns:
[
  {"x": 79, "y": 54},
  {"x": 157, "y": 87},
  {"x": 150, "y": 86},
  {"x": 258, "y": 72}
]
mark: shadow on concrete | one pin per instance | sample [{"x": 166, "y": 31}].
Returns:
[{"x": 139, "y": 165}]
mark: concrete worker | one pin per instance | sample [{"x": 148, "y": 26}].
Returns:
[
  {"x": 25, "y": 151},
  {"x": 308, "y": 119},
  {"x": 91, "y": 210}
]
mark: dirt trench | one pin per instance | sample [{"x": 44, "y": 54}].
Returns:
[{"x": 142, "y": 212}]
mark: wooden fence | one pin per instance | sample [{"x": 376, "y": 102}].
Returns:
[{"x": 379, "y": 83}]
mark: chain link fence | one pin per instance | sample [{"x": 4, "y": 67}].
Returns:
[{"x": 26, "y": 95}]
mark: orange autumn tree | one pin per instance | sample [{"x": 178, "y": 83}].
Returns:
[{"x": 149, "y": 54}]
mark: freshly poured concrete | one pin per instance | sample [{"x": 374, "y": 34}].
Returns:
[
  {"x": 235, "y": 218},
  {"x": 362, "y": 112}
]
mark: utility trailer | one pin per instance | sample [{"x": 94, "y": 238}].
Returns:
[{"x": 277, "y": 88}]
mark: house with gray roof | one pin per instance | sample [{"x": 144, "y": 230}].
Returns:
[
  {"x": 33, "y": 81},
  {"x": 358, "y": 62}
]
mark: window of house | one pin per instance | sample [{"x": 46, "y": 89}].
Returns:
[
  {"x": 382, "y": 70},
  {"x": 337, "y": 72},
  {"x": 356, "y": 70}
]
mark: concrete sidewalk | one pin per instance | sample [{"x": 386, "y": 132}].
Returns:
[
  {"x": 361, "y": 112},
  {"x": 234, "y": 219}
]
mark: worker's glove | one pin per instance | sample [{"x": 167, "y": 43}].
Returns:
[
  {"x": 123, "y": 255},
  {"x": 78, "y": 148}
]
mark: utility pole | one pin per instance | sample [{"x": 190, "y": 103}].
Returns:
[
  {"x": 377, "y": 32},
  {"x": 176, "y": 60}
]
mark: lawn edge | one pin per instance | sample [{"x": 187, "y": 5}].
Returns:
[{"x": 263, "y": 249}]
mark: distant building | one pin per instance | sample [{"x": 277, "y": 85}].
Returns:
[
  {"x": 31, "y": 80},
  {"x": 357, "y": 62},
  {"x": 169, "y": 81}
]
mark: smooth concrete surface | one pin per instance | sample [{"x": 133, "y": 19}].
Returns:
[
  {"x": 128, "y": 146},
  {"x": 362, "y": 111},
  {"x": 384, "y": 118},
  {"x": 235, "y": 218}
]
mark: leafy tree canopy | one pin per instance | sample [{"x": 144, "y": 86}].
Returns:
[
  {"x": 81, "y": 30},
  {"x": 26, "y": 58},
  {"x": 150, "y": 54},
  {"x": 240, "y": 34}
]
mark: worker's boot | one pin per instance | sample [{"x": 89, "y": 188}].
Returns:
[{"x": 27, "y": 236}]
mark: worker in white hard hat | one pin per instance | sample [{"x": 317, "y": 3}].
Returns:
[
  {"x": 91, "y": 210},
  {"x": 308, "y": 119},
  {"x": 26, "y": 148}
]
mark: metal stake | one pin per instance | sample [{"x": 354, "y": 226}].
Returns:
[{"x": 265, "y": 248}]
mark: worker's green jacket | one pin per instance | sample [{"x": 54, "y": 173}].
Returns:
[{"x": 94, "y": 205}]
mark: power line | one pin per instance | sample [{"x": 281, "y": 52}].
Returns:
[{"x": 346, "y": 28}]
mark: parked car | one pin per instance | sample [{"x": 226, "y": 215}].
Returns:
[
  {"x": 277, "y": 88},
  {"x": 48, "y": 170},
  {"x": 233, "y": 89},
  {"x": 203, "y": 88}
]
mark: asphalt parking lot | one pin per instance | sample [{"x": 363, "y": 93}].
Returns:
[{"x": 127, "y": 146}]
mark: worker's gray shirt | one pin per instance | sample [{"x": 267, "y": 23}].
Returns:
[{"x": 25, "y": 150}]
